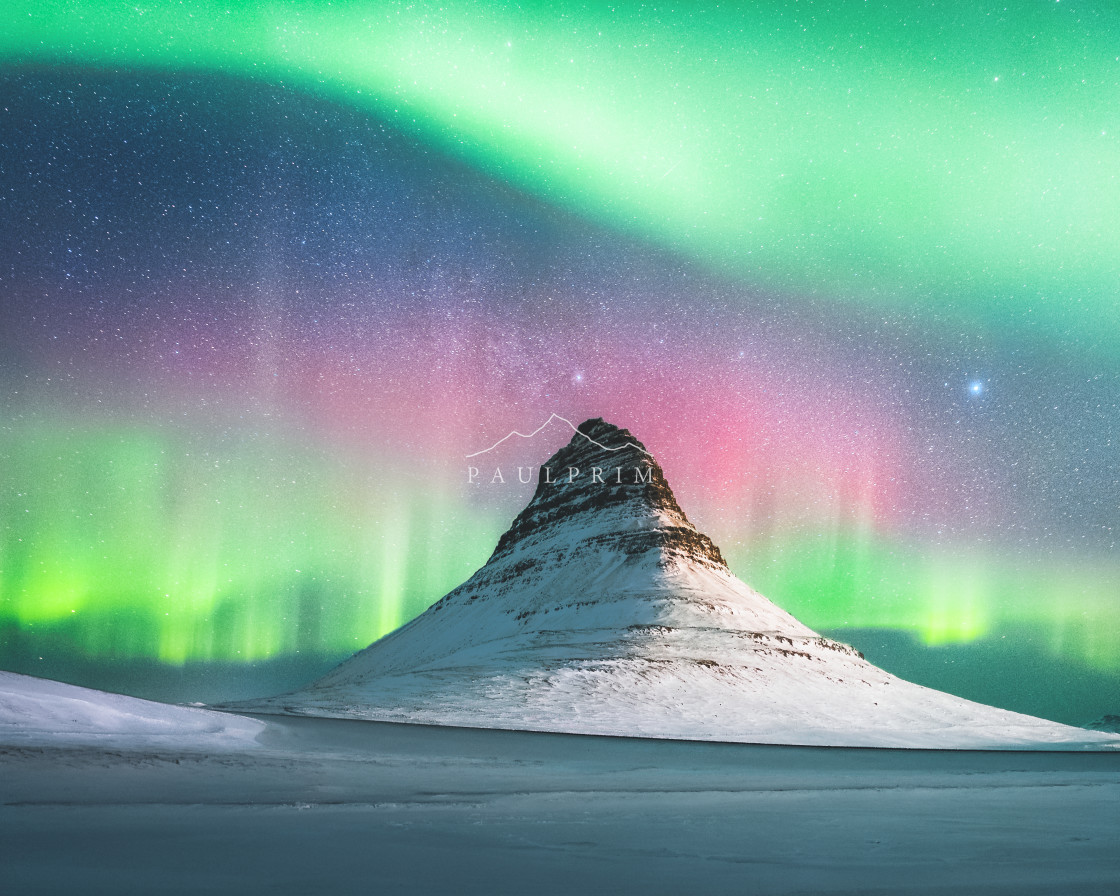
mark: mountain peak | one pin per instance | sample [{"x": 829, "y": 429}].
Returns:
[
  {"x": 599, "y": 429},
  {"x": 605, "y": 485}
]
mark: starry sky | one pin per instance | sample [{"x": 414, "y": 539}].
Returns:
[{"x": 270, "y": 271}]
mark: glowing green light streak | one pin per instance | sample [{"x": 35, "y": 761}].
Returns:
[
  {"x": 943, "y": 595},
  {"x": 961, "y": 161},
  {"x": 142, "y": 545},
  {"x": 145, "y": 545}
]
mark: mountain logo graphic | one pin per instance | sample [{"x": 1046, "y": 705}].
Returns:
[{"x": 574, "y": 428}]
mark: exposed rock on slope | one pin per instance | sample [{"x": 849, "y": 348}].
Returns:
[{"x": 1108, "y": 722}]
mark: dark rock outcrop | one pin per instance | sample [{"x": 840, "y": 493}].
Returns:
[{"x": 605, "y": 472}]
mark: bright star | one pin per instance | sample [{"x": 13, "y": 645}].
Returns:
[{"x": 976, "y": 387}]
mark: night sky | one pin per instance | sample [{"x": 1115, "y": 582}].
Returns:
[{"x": 270, "y": 271}]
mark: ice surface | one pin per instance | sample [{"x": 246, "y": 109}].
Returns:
[{"x": 329, "y": 806}]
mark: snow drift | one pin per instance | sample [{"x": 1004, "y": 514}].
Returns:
[{"x": 38, "y": 712}]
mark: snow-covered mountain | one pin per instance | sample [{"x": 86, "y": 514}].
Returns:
[{"x": 603, "y": 610}]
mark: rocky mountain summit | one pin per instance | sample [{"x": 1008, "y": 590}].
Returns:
[
  {"x": 587, "y": 486},
  {"x": 604, "y": 611}
]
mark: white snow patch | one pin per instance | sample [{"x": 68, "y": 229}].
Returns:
[{"x": 37, "y": 712}]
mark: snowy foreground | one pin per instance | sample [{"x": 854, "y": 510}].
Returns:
[{"x": 106, "y": 794}]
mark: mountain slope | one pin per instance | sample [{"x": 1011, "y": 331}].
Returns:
[{"x": 603, "y": 610}]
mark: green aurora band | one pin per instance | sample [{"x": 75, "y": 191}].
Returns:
[
  {"x": 134, "y": 544},
  {"x": 960, "y": 160}
]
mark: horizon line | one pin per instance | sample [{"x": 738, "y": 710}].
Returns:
[{"x": 575, "y": 429}]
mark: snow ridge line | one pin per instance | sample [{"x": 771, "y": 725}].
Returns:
[{"x": 575, "y": 429}]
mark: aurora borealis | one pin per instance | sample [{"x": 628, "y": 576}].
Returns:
[{"x": 270, "y": 271}]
